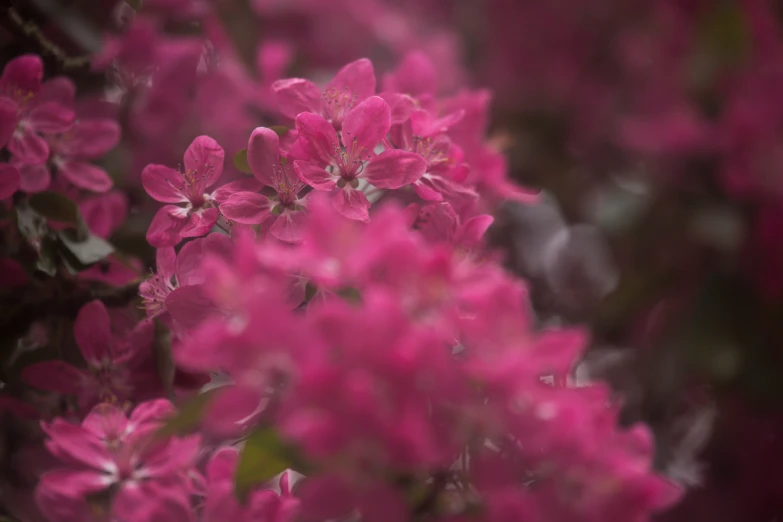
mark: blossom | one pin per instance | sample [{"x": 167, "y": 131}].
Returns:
[
  {"x": 221, "y": 502},
  {"x": 24, "y": 117},
  {"x": 352, "y": 84},
  {"x": 352, "y": 157},
  {"x": 117, "y": 455},
  {"x": 203, "y": 166},
  {"x": 284, "y": 212},
  {"x": 9, "y": 180},
  {"x": 115, "y": 366},
  {"x": 87, "y": 139}
]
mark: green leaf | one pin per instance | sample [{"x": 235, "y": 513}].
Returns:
[
  {"x": 263, "y": 456},
  {"x": 188, "y": 418},
  {"x": 87, "y": 251},
  {"x": 55, "y": 206},
  {"x": 240, "y": 162}
]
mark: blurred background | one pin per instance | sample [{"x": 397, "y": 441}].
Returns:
[{"x": 654, "y": 129}]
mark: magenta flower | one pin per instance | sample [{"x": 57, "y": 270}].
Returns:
[
  {"x": 353, "y": 158},
  {"x": 203, "y": 166},
  {"x": 263, "y": 504},
  {"x": 87, "y": 139},
  {"x": 351, "y": 85},
  {"x": 23, "y": 118},
  {"x": 283, "y": 213},
  {"x": 115, "y": 366},
  {"x": 120, "y": 456}
]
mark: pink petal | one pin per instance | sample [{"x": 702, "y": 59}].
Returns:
[
  {"x": 165, "y": 229},
  {"x": 205, "y": 157},
  {"x": 317, "y": 137},
  {"x": 59, "y": 89},
  {"x": 424, "y": 124},
  {"x": 367, "y": 123},
  {"x": 263, "y": 154},
  {"x": 74, "y": 483},
  {"x": 92, "y": 331},
  {"x": 222, "y": 193},
  {"x": 23, "y": 73},
  {"x": 166, "y": 262},
  {"x": 315, "y": 176},
  {"x": 105, "y": 213},
  {"x": 415, "y": 75},
  {"x": 151, "y": 412},
  {"x": 58, "y": 376},
  {"x": 28, "y": 147},
  {"x": 50, "y": 118},
  {"x": 296, "y": 95},
  {"x": 393, "y": 169},
  {"x": 222, "y": 465},
  {"x": 473, "y": 230},
  {"x": 425, "y": 192},
  {"x": 248, "y": 208},
  {"x": 230, "y": 411},
  {"x": 34, "y": 178},
  {"x": 357, "y": 77},
  {"x": 94, "y": 138},
  {"x": 401, "y": 106},
  {"x": 289, "y": 226},
  {"x": 159, "y": 181},
  {"x": 352, "y": 204},
  {"x": 86, "y": 175},
  {"x": 199, "y": 354},
  {"x": 10, "y": 179},
  {"x": 75, "y": 444},
  {"x": 190, "y": 306},
  {"x": 200, "y": 222},
  {"x": 8, "y": 119},
  {"x": 189, "y": 270}
]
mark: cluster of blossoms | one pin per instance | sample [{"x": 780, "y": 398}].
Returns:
[{"x": 373, "y": 354}]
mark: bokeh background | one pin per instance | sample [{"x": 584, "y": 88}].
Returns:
[{"x": 654, "y": 129}]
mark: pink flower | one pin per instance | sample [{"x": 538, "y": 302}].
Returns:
[
  {"x": 175, "y": 271},
  {"x": 353, "y": 158},
  {"x": 105, "y": 213},
  {"x": 351, "y": 85},
  {"x": 23, "y": 117},
  {"x": 120, "y": 456},
  {"x": 87, "y": 139},
  {"x": 203, "y": 167},
  {"x": 263, "y": 504},
  {"x": 114, "y": 370},
  {"x": 439, "y": 222},
  {"x": 283, "y": 213}
]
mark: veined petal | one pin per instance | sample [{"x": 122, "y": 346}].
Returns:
[
  {"x": 317, "y": 137},
  {"x": 166, "y": 262},
  {"x": 289, "y": 226},
  {"x": 86, "y": 175},
  {"x": 190, "y": 306},
  {"x": 204, "y": 158},
  {"x": 223, "y": 192},
  {"x": 393, "y": 169},
  {"x": 94, "y": 138},
  {"x": 248, "y": 208},
  {"x": 74, "y": 483},
  {"x": 73, "y": 443},
  {"x": 357, "y": 77},
  {"x": 59, "y": 89},
  {"x": 160, "y": 182},
  {"x": 263, "y": 154},
  {"x": 401, "y": 106},
  {"x": 28, "y": 147},
  {"x": 165, "y": 229},
  {"x": 367, "y": 123},
  {"x": 50, "y": 118},
  {"x": 34, "y": 178},
  {"x": 317, "y": 177},
  {"x": 296, "y": 95},
  {"x": 200, "y": 222},
  {"x": 352, "y": 204}
]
